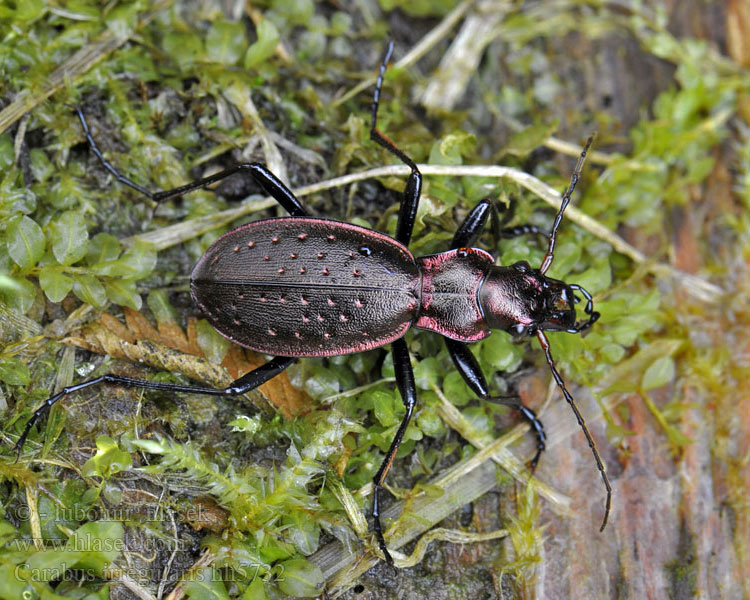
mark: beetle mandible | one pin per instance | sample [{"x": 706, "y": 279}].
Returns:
[{"x": 304, "y": 286}]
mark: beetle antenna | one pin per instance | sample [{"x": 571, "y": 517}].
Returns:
[
  {"x": 549, "y": 257},
  {"x": 561, "y": 384}
]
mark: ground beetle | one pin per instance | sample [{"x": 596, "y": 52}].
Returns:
[{"x": 304, "y": 286}]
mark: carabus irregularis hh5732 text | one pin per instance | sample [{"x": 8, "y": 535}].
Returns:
[{"x": 303, "y": 286}]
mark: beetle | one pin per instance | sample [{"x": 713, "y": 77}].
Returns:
[{"x": 302, "y": 286}]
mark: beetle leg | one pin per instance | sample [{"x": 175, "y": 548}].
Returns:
[
  {"x": 408, "y": 389},
  {"x": 470, "y": 370},
  {"x": 470, "y": 230},
  {"x": 271, "y": 184},
  {"x": 407, "y": 214},
  {"x": 468, "y": 233},
  {"x": 517, "y": 230},
  {"x": 525, "y": 229},
  {"x": 244, "y": 384}
]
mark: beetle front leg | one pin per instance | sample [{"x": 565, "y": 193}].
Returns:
[
  {"x": 271, "y": 184},
  {"x": 470, "y": 370},
  {"x": 244, "y": 384},
  {"x": 468, "y": 233},
  {"x": 407, "y": 214},
  {"x": 408, "y": 389}
]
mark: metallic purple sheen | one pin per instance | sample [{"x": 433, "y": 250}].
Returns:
[
  {"x": 301, "y": 286},
  {"x": 511, "y": 296},
  {"x": 450, "y": 293}
]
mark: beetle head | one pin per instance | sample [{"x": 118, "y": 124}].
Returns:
[
  {"x": 559, "y": 307},
  {"x": 522, "y": 301}
]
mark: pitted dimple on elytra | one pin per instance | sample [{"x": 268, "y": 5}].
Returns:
[{"x": 275, "y": 239}]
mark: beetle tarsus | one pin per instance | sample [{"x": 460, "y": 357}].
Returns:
[
  {"x": 407, "y": 213},
  {"x": 525, "y": 229}
]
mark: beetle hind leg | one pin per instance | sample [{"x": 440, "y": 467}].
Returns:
[
  {"x": 271, "y": 184},
  {"x": 244, "y": 384}
]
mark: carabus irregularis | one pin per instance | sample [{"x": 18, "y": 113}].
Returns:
[{"x": 304, "y": 286}]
